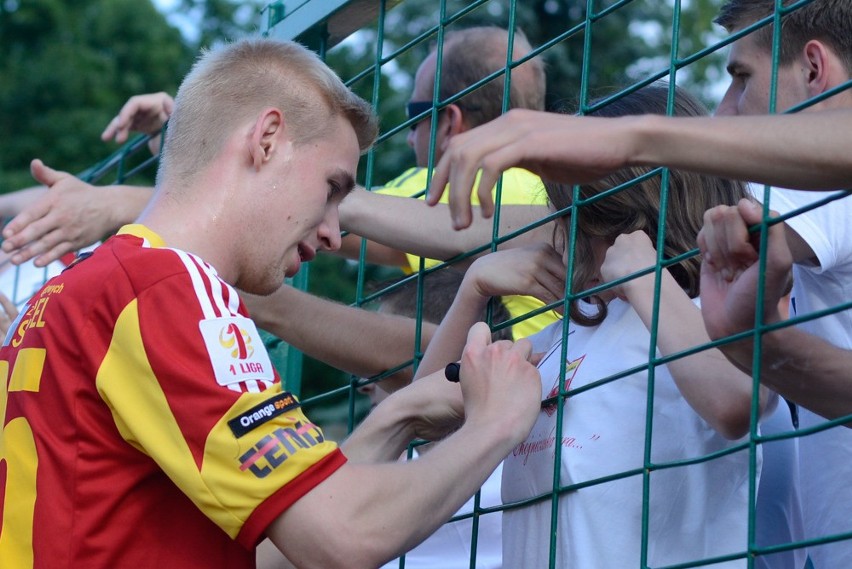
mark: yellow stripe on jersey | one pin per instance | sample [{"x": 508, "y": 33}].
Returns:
[
  {"x": 18, "y": 451},
  {"x": 237, "y": 473},
  {"x": 26, "y": 375},
  {"x": 139, "y": 230}
]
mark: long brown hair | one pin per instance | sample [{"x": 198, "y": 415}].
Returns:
[{"x": 636, "y": 207}]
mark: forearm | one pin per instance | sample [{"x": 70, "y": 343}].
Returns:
[
  {"x": 804, "y": 150},
  {"x": 410, "y": 225},
  {"x": 376, "y": 253},
  {"x": 126, "y": 203},
  {"x": 383, "y": 510},
  {"x": 13, "y": 203},
  {"x": 802, "y": 368},
  {"x": 355, "y": 340},
  {"x": 448, "y": 341},
  {"x": 718, "y": 391}
]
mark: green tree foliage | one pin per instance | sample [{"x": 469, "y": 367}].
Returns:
[{"x": 67, "y": 67}]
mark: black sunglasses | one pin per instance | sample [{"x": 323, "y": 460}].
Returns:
[{"x": 417, "y": 108}]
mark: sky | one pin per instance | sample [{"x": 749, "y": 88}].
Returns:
[{"x": 184, "y": 22}]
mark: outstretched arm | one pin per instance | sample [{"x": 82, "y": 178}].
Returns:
[
  {"x": 349, "y": 336},
  {"x": 801, "y": 367},
  {"x": 718, "y": 391},
  {"x": 75, "y": 214},
  {"x": 806, "y": 150},
  {"x": 411, "y": 226},
  {"x": 13, "y": 203},
  {"x": 366, "y": 513},
  {"x": 68, "y": 215}
]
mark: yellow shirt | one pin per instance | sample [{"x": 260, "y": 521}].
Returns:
[{"x": 520, "y": 187}]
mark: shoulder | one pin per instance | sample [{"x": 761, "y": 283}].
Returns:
[
  {"x": 172, "y": 279},
  {"x": 820, "y": 233},
  {"x": 522, "y": 187}
]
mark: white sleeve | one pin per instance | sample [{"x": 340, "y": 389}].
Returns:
[{"x": 826, "y": 229}]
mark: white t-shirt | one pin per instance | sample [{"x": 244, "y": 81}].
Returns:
[
  {"x": 826, "y": 457},
  {"x": 450, "y": 546},
  {"x": 695, "y": 511},
  {"x": 779, "y": 507}
]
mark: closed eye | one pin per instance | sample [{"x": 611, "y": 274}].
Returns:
[
  {"x": 339, "y": 185},
  {"x": 334, "y": 190}
]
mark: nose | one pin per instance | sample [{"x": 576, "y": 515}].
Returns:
[
  {"x": 329, "y": 230},
  {"x": 410, "y": 137},
  {"x": 728, "y": 106},
  {"x": 367, "y": 388}
]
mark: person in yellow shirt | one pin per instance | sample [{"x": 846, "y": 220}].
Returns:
[{"x": 401, "y": 231}]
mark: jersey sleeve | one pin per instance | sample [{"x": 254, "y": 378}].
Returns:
[{"x": 189, "y": 383}]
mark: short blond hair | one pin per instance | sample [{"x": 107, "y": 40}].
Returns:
[{"x": 234, "y": 82}]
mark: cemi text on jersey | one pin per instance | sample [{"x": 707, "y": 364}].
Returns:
[{"x": 272, "y": 450}]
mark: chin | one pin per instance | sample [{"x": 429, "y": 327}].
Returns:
[{"x": 263, "y": 287}]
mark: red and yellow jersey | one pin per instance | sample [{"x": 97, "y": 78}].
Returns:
[{"x": 143, "y": 424}]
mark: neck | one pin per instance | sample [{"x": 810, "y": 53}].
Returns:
[{"x": 197, "y": 226}]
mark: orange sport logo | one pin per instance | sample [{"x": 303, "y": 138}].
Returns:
[{"x": 237, "y": 341}]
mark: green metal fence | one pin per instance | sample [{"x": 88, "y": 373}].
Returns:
[{"x": 679, "y": 44}]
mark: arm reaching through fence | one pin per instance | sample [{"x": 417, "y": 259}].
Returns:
[
  {"x": 68, "y": 215},
  {"x": 729, "y": 293},
  {"x": 500, "y": 391},
  {"x": 805, "y": 151}
]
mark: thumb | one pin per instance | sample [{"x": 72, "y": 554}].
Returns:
[
  {"x": 536, "y": 357},
  {"x": 45, "y": 174},
  {"x": 479, "y": 335},
  {"x": 169, "y": 106},
  {"x": 750, "y": 211}
]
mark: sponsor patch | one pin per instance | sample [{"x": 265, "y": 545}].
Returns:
[
  {"x": 272, "y": 450},
  {"x": 236, "y": 351},
  {"x": 262, "y": 413}
]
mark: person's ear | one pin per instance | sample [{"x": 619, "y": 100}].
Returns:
[
  {"x": 452, "y": 122},
  {"x": 819, "y": 61},
  {"x": 456, "y": 120},
  {"x": 265, "y": 136}
]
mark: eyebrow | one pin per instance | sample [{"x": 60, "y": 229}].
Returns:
[{"x": 344, "y": 179}]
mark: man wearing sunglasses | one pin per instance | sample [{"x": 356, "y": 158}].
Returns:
[{"x": 401, "y": 231}]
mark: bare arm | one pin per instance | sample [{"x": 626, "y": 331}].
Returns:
[
  {"x": 70, "y": 215},
  {"x": 410, "y": 225},
  {"x": 805, "y": 150},
  {"x": 377, "y": 253},
  {"x": 15, "y": 202},
  {"x": 348, "y": 337},
  {"x": 801, "y": 367},
  {"x": 717, "y": 390},
  {"x": 534, "y": 270},
  {"x": 365, "y": 513}
]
